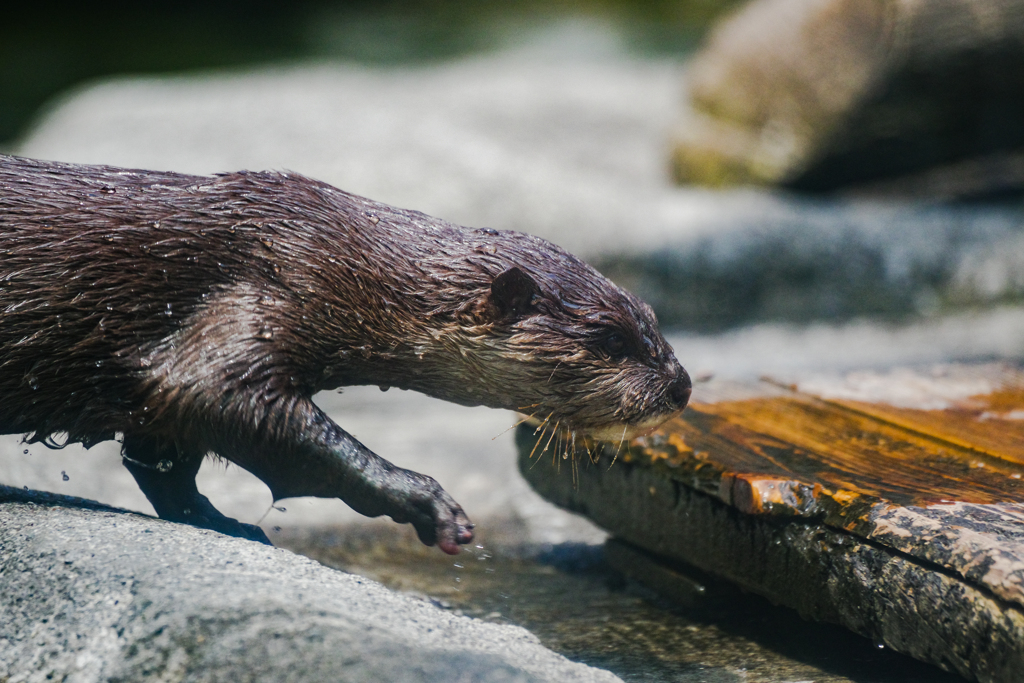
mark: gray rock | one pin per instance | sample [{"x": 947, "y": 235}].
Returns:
[
  {"x": 919, "y": 98},
  {"x": 96, "y": 594}
]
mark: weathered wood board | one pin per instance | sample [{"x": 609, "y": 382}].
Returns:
[{"x": 891, "y": 503}]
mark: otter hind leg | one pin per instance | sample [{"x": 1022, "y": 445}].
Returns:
[{"x": 168, "y": 479}]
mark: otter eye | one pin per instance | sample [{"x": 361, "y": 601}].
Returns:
[{"x": 614, "y": 345}]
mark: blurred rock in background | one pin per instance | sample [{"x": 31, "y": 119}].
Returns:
[{"x": 883, "y": 97}]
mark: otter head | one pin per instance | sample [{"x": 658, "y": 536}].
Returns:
[{"x": 543, "y": 333}]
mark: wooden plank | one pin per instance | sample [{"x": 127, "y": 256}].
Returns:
[{"x": 928, "y": 500}]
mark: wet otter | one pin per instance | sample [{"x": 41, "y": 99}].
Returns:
[{"x": 195, "y": 315}]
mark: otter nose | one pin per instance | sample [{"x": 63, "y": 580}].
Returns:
[{"x": 679, "y": 391}]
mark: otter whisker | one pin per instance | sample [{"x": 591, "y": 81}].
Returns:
[
  {"x": 575, "y": 468},
  {"x": 554, "y": 454},
  {"x": 544, "y": 422},
  {"x": 621, "y": 441},
  {"x": 514, "y": 426},
  {"x": 553, "y": 432},
  {"x": 539, "y": 439},
  {"x": 537, "y": 461}
]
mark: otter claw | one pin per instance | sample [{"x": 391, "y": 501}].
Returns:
[
  {"x": 447, "y": 534},
  {"x": 463, "y": 535}
]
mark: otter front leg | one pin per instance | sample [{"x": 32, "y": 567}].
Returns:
[
  {"x": 168, "y": 479},
  {"x": 328, "y": 462}
]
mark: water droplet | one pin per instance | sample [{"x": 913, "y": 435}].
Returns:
[
  {"x": 108, "y": 190},
  {"x": 64, "y": 476},
  {"x": 457, "y": 565},
  {"x": 374, "y": 219},
  {"x": 276, "y": 268},
  {"x": 110, "y": 307},
  {"x": 168, "y": 311},
  {"x": 458, "y": 579},
  {"x": 880, "y": 645},
  {"x": 33, "y": 382},
  {"x": 99, "y": 363},
  {"x": 166, "y": 466},
  {"x": 265, "y": 333},
  {"x": 267, "y": 242},
  {"x": 385, "y": 387},
  {"x": 25, "y": 452}
]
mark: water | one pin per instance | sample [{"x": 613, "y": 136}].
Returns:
[{"x": 576, "y": 604}]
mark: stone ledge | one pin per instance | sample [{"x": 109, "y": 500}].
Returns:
[{"x": 96, "y": 594}]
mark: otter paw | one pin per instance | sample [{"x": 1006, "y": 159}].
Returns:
[{"x": 440, "y": 520}]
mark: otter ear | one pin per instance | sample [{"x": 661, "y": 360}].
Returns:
[{"x": 512, "y": 293}]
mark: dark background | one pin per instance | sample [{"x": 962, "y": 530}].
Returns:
[{"x": 46, "y": 48}]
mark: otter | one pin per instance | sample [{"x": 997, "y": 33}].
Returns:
[{"x": 188, "y": 316}]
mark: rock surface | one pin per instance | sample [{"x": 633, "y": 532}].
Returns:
[
  {"x": 97, "y": 594},
  {"x": 819, "y": 95}
]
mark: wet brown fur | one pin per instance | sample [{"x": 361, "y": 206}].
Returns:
[{"x": 204, "y": 313}]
